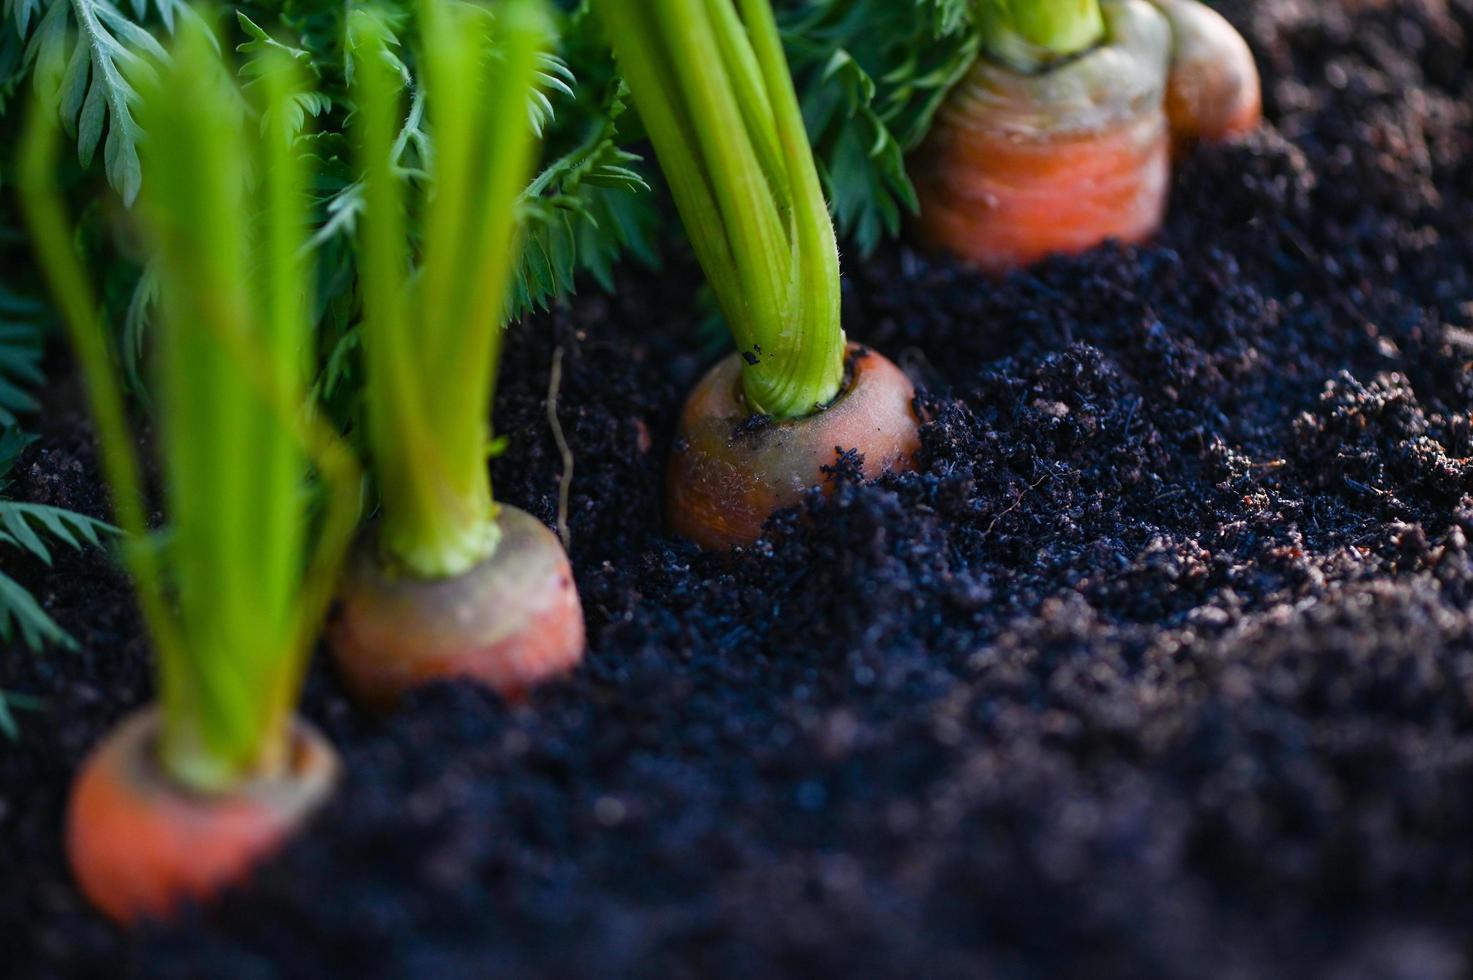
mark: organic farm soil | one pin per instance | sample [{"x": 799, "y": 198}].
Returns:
[{"x": 1161, "y": 665}]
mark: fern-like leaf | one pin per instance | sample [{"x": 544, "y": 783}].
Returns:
[
  {"x": 90, "y": 75},
  {"x": 35, "y": 529},
  {"x": 21, "y": 615},
  {"x": 27, "y": 526},
  {"x": 871, "y": 75},
  {"x": 584, "y": 209}
]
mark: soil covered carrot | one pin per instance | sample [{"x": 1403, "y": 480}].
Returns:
[
  {"x": 183, "y": 799},
  {"x": 712, "y": 86},
  {"x": 447, "y": 583},
  {"x": 1059, "y": 136}
]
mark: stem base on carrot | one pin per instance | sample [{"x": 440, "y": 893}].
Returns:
[
  {"x": 1020, "y": 166},
  {"x": 139, "y": 845},
  {"x": 726, "y": 477},
  {"x": 510, "y": 623}
]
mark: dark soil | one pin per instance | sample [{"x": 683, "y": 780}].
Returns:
[{"x": 1162, "y": 664}]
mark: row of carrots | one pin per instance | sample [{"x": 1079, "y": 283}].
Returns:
[{"x": 1060, "y": 137}]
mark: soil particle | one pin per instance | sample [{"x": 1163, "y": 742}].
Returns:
[{"x": 1159, "y": 665}]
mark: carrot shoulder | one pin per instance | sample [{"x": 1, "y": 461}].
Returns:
[
  {"x": 509, "y": 623},
  {"x": 727, "y": 476}
]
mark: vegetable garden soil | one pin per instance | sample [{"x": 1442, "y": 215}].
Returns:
[{"x": 1162, "y": 664}]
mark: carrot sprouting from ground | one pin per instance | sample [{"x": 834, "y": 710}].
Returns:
[
  {"x": 1060, "y": 135},
  {"x": 448, "y": 583},
  {"x": 712, "y": 86},
  {"x": 185, "y": 796}
]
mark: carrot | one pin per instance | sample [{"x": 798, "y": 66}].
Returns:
[
  {"x": 139, "y": 845},
  {"x": 713, "y": 88},
  {"x": 510, "y": 623},
  {"x": 1018, "y": 166},
  {"x": 449, "y": 583},
  {"x": 1214, "y": 91},
  {"x": 724, "y": 480},
  {"x": 1056, "y": 141},
  {"x": 181, "y": 800}
]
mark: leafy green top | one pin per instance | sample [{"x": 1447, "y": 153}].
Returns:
[
  {"x": 234, "y": 594},
  {"x": 871, "y": 75},
  {"x": 712, "y": 86},
  {"x": 432, "y": 341}
]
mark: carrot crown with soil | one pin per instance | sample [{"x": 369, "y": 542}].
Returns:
[
  {"x": 233, "y": 593},
  {"x": 432, "y": 336},
  {"x": 712, "y": 86}
]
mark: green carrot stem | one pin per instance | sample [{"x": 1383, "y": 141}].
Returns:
[
  {"x": 712, "y": 85},
  {"x": 244, "y": 581},
  {"x": 1030, "y": 35},
  {"x": 432, "y": 341}
]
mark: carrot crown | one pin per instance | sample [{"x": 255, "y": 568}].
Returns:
[
  {"x": 432, "y": 329},
  {"x": 234, "y": 592},
  {"x": 1031, "y": 34},
  {"x": 712, "y": 86}
]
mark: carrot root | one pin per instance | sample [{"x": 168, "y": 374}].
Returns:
[
  {"x": 725, "y": 479},
  {"x": 1018, "y": 167},
  {"x": 511, "y": 623},
  {"x": 139, "y": 845}
]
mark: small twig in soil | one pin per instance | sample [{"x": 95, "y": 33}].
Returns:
[
  {"x": 1017, "y": 502},
  {"x": 565, "y": 481}
]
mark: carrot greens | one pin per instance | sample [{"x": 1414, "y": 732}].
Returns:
[
  {"x": 711, "y": 83},
  {"x": 432, "y": 330},
  {"x": 234, "y": 592}
]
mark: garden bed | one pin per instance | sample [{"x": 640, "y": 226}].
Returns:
[{"x": 1162, "y": 664}]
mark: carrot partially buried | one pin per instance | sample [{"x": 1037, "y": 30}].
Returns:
[
  {"x": 713, "y": 89},
  {"x": 1060, "y": 135},
  {"x": 139, "y": 843},
  {"x": 448, "y": 583},
  {"x": 184, "y": 798}
]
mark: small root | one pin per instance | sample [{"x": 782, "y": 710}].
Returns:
[{"x": 565, "y": 481}]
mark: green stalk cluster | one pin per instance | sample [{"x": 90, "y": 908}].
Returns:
[
  {"x": 235, "y": 590},
  {"x": 432, "y": 334},
  {"x": 712, "y": 86},
  {"x": 1030, "y": 35}
]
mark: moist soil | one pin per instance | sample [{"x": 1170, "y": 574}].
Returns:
[{"x": 1161, "y": 664}]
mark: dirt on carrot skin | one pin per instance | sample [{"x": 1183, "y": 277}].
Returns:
[{"x": 1159, "y": 666}]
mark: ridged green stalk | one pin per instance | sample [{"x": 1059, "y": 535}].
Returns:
[
  {"x": 235, "y": 593},
  {"x": 712, "y": 86},
  {"x": 432, "y": 340}
]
